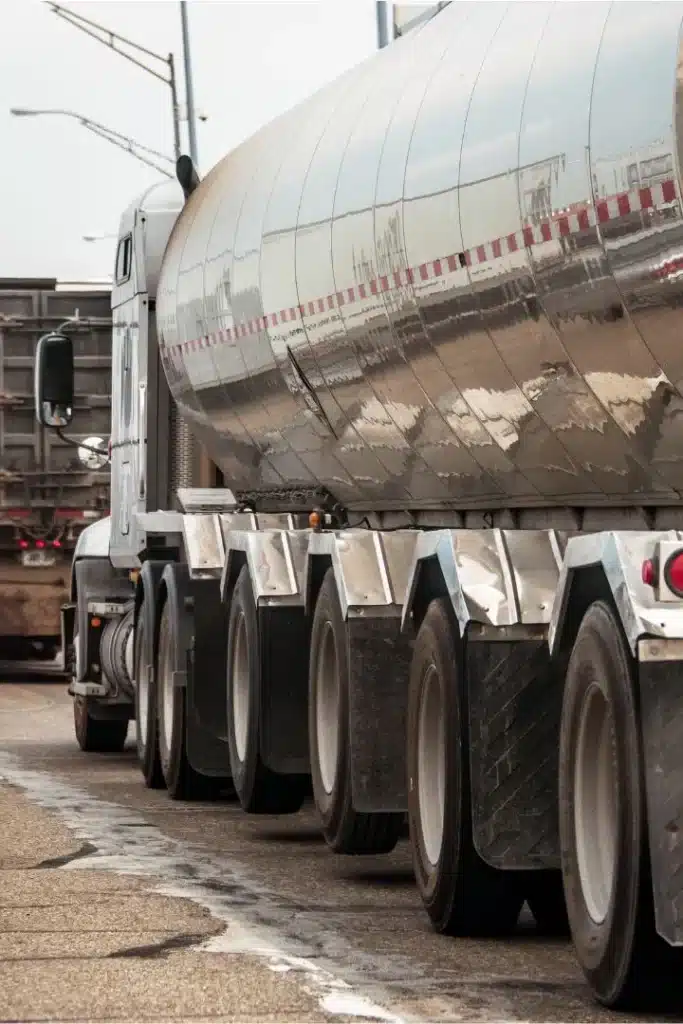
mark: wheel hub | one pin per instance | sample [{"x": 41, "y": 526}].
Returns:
[
  {"x": 431, "y": 765},
  {"x": 327, "y": 708},
  {"x": 240, "y": 688},
  {"x": 595, "y": 802}
]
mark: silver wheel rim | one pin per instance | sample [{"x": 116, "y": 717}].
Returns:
[
  {"x": 595, "y": 803},
  {"x": 77, "y": 657},
  {"x": 327, "y": 701},
  {"x": 166, "y": 683},
  {"x": 240, "y": 688},
  {"x": 142, "y": 686},
  {"x": 431, "y": 765}
]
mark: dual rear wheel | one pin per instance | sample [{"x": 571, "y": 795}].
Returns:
[{"x": 604, "y": 894}]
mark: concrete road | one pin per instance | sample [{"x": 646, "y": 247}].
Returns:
[{"x": 160, "y": 911}]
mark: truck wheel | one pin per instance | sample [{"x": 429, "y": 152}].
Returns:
[
  {"x": 182, "y": 781},
  {"x": 259, "y": 790},
  {"x": 462, "y": 894},
  {"x": 97, "y": 735},
  {"x": 345, "y": 830},
  {"x": 603, "y": 823},
  {"x": 545, "y": 896},
  {"x": 147, "y": 725}
]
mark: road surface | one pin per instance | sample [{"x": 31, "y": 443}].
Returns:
[{"x": 276, "y": 927}]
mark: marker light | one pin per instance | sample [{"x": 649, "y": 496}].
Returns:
[{"x": 673, "y": 573}]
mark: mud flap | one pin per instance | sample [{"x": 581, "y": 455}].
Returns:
[
  {"x": 661, "y": 709},
  {"x": 379, "y": 669},
  {"x": 284, "y": 646},
  {"x": 206, "y": 705},
  {"x": 514, "y": 697}
]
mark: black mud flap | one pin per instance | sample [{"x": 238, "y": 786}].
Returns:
[
  {"x": 661, "y": 709},
  {"x": 207, "y": 741},
  {"x": 379, "y": 672},
  {"x": 514, "y": 695},
  {"x": 284, "y": 646}
]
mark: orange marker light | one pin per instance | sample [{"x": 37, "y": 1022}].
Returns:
[
  {"x": 315, "y": 520},
  {"x": 95, "y": 622}
]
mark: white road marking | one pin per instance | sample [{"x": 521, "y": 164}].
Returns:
[{"x": 127, "y": 844}]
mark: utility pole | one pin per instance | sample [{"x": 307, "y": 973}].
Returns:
[
  {"x": 382, "y": 26},
  {"x": 113, "y": 41},
  {"x": 189, "y": 90}
]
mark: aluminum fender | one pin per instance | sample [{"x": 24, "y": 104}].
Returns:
[
  {"x": 276, "y": 560},
  {"x": 621, "y": 555},
  {"x": 204, "y": 547},
  {"x": 494, "y": 577},
  {"x": 93, "y": 542},
  {"x": 370, "y": 567}
]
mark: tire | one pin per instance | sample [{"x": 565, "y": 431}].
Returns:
[
  {"x": 345, "y": 830},
  {"x": 182, "y": 781},
  {"x": 545, "y": 896},
  {"x": 95, "y": 735},
  {"x": 147, "y": 726},
  {"x": 259, "y": 790},
  {"x": 602, "y": 809},
  {"x": 461, "y": 893}
]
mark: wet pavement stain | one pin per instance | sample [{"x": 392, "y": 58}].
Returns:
[{"x": 85, "y": 850}]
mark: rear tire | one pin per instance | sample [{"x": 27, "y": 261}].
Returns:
[
  {"x": 345, "y": 829},
  {"x": 603, "y": 824},
  {"x": 96, "y": 735},
  {"x": 147, "y": 726},
  {"x": 462, "y": 894},
  {"x": 182, "y": 781},
  {"x": 259, "y": 790}
]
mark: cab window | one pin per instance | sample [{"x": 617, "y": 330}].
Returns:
[{"x": 124, "y": 255}]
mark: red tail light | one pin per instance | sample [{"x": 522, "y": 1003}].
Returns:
[
  {"x": 649, "y": 573},
  {"x": 673, "y": 573},
  {"x": 23, "y": 544},
  {"x": 40, "y": 543},
  {"x": 56, "y": 543}
]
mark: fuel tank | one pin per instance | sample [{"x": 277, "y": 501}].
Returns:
[{"x": 453, "y": 278}]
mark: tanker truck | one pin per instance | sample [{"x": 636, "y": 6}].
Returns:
[{"x": 439, "y": 569}]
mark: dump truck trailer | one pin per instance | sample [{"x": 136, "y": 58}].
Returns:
[
  {"x": 49, "y": 491},
  {"x": 438, "y": 365}
]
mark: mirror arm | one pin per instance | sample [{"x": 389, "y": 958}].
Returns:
[{"x": 79, "y": 444}]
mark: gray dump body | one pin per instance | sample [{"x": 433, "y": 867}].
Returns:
[
  {"x": 452, "y": 278},
  {"x": 47, "y": 496}
]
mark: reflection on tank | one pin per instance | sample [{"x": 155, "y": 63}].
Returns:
[{"x": 445, "y": 318}]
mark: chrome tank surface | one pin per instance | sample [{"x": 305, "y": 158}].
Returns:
[{"x": 453, "y": 278}]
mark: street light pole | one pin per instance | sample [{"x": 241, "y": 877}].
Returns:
[
  {"x": 111, "y": 40},
  {"x": 189, "y": 90},
  {"x": 382, "y": 28},
  {"x": 116, "y": 138}
]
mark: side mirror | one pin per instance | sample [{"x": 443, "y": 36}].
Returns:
[{"x": 54, "y": 380}]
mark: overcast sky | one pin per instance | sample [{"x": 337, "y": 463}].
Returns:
[{"x": 251, "y": 61}]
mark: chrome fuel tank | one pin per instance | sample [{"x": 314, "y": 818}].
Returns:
[{"x": 453, "y": 277}]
